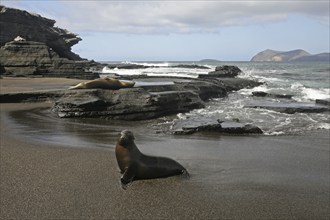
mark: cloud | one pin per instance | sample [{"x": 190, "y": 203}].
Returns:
[{"x": 164, "y": 17}]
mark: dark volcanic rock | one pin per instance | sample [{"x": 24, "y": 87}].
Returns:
[
  {"x": 126, "y": 66},
  {"x": 29, "y": 58},
  {"x": 323, "y": 101},
  {"x": 265, "y": 94},
  {"x": 235, "y": 84},
  {"x": 125, "y": 104},
  {"x": 223, "y": 71},
  {"x": 290, "y": 107},
  {"x": 38, "y": 96},
  {"x": 31, "y": 45},
  {"x": 33, "y": 27},
  {"x": 190, "y": 66},
  {"x": 193, "y": 125}
]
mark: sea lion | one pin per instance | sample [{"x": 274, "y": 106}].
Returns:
[
  {"x": 135, "y": 165},
  {"x": 103, "y": 83}
]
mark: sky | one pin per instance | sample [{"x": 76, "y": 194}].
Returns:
[{"x": 185, "y": 30}]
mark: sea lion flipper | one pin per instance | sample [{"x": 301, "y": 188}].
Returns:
[{"x": 128, "y": 175}]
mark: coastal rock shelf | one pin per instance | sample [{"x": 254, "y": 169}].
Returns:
[{"x": 150, "y": 98}]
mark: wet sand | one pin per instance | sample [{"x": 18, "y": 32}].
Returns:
[
  {"x": 232, "y": 177},
  {"x": 23, "y": 84}
]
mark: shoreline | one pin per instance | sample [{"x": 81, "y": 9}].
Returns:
[
  {"x": 250, "y": 177},
  {"x": 66, "y": 169}
]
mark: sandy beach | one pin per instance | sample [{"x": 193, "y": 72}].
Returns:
[{"x": 75, "y": 175}]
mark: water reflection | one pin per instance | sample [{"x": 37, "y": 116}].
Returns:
[{"x": 42, "y": 125}]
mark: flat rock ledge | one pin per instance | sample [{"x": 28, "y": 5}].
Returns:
[
  {"x": 193, "y": 125},
  {"x": 149, "y": 98}
]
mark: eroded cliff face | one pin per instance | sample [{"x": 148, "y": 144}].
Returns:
[
  {"x": 33, "y": 27},
  {"x": 30, "y": 45}
]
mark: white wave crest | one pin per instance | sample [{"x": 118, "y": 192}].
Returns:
[
  {"x": 162, "y": 64},
  {"x": 312, "y": 94}
]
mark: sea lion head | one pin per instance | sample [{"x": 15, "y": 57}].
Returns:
[{"x": 126, "y": 138}]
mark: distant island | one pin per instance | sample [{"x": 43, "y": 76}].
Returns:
[
  {"x": 209, "y": 60},
  {"x": 288, "y": 56}
]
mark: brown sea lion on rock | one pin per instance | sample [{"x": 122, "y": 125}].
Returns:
[
  {"x": 135, "y": 165},
  {"x": 103, "y": 83}
]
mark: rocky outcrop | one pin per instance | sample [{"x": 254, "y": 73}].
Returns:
[
  {"x": 142, "y": 101},
  {"x": 222, "y": 72},
  {"x": 29, "y": 58},
  {"x": 33, "y": 27},
  {"x": 288, "y": 56},
  {"x": 125, "y": 104},
  {"x": 32, "y": 46}
]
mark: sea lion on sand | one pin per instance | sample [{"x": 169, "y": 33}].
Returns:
[
  {"x": 103, "y": 83},
  {"x": 135, "y": 165}
]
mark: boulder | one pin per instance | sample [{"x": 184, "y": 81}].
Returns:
[
  {"x": 223, "y": 71},
  {"x": 125, "y": 104},
  {"x": 193, "y": 125}
]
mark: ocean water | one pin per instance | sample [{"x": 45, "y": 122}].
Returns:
[{"x": 305, "y": 81}]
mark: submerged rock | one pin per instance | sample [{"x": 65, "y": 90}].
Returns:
[
  {"x": 193, "y": 125},
  {"x": 323, "y": 102},
  {"x": 235, "y": 84},
  {"x": 265, "y": 94},
  {"x": 290, "y": 107}
]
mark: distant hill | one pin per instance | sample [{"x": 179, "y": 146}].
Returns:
[{"x": 287, "y": 56}]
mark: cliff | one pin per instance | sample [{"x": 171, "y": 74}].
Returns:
[
  {"x": 288, "y": 56},
  {"x": 31, "y": 45},
  {"x": 33, "y": 27}
]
